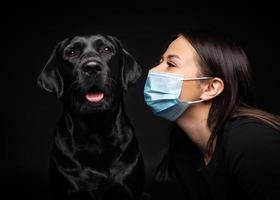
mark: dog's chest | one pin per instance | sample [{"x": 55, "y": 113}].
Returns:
[{"x": 72, "y": 149}]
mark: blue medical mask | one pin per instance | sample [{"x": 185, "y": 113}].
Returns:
[{"x": 162, "y": 91}]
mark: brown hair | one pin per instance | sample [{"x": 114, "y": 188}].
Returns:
[{"x": 221, "y": 57}]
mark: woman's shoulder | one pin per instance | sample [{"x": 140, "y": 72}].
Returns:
[
  {"x": 244, "y": 127},
  {"x": 251, "y": 152},
  {"x": 247, "y": 135}
]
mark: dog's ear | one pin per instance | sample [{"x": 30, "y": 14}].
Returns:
[
  {"x": 50, "y": 78},
  {"x": 130, "y": 70}
]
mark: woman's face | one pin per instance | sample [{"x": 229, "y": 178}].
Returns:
[{"x": 180, "y": 58}]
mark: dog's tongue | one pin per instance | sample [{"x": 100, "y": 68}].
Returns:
[{"x": 94, "y": 96}]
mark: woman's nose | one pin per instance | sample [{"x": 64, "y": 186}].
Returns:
[{"x": 160, "y": 68}]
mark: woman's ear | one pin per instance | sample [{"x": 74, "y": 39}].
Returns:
[{"x": 212, "y": 88}]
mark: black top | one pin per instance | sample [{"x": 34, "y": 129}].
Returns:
[{"x": 244, "y": 165}]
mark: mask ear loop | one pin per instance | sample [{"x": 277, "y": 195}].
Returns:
[
  {"x": 199, "y": 78},
  {"x": 192, "y": 102},
  {"x": 197, "y": 101},
  {"x": 194, "y": 79}
]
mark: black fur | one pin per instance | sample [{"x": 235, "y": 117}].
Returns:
[{"x": 95, "y": 153}]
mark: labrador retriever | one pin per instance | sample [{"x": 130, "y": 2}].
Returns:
[{"x": 95, "y": 153}]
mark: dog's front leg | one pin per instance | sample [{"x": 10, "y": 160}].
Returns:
[
  {"x": 109, "y": 190},
  {"x": 113, "y": 190},
  {"x": 88, "y": 185}
]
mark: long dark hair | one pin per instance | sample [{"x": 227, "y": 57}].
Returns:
[{"x": 220, "y": 57}]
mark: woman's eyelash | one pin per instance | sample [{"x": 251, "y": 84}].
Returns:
[
  {"x": 171, "y": 64},
  {"x": 168, "y": 63}
]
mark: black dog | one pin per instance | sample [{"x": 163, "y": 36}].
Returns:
[{"x": 95, "y": 153}]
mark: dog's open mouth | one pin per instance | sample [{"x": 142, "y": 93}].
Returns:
[{"x": 94, "y": 95}]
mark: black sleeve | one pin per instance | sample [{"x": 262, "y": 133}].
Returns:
[{"x": 252, "y": 157}]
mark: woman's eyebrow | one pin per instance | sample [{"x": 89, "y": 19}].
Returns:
[{"x": 172, "y": 56}]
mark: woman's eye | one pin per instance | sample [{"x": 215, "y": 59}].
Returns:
[
  {"x": 107, "y": 50},
  {"x": 170, "y": 64}
]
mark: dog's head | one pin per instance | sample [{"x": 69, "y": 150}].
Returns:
[{"x": 89, "y": 73}]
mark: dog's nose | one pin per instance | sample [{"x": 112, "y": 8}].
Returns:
[{"x": 91, "y": 68}]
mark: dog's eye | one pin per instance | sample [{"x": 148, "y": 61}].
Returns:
[
  {"x": 107, "y": 50},
  {"x": 72, "y": 52}
]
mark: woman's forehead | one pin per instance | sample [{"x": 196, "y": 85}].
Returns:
[{"x": 182, "y": 48}]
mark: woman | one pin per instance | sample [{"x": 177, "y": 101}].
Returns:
[{"x": 220, "y": 146}]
